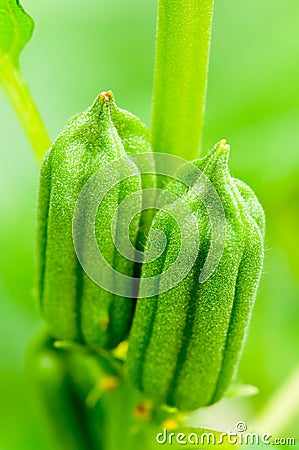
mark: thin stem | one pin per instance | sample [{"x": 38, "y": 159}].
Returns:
[
  {"x": 281, "y": 409},
  {"x": 181, "y": 72},
  {"x": 24, "y": 106}
]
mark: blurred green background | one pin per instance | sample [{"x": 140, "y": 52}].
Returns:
[{"x": 81, "y": 48}]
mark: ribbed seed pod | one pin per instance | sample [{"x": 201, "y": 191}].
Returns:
[
  {"x": 74, "y": 307},
  {"x": 185, "y": 344},
  {"x": 62, "y": 415}
]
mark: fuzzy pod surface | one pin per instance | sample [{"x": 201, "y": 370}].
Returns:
[
  {"x": 185, "y": 344},
  {"x": 74, "y": 307}
]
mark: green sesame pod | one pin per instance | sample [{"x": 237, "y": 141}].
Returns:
[
  {"x": 185, "y": 344},
  {"x": 74, "y": 307},
  {"x": 57, "y": 403}
]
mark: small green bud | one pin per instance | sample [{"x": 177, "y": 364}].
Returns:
[
  {"x": 74, "y": 307},
  {"x": 185, "y": 344}
]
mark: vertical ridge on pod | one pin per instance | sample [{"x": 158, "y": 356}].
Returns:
[
  {"x": 43, "y": 212},
  {"x": 248, "y": 277}
]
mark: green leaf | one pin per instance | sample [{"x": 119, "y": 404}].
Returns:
[
  {"x": 16, "y": 28},
  {"x": 241, "y": 390}
]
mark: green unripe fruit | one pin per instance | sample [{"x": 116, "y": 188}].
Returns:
[
  {"x": 185, "y": 344},
  {"x": 74, "y": 307},
  {"x": 58, "y": 405}
]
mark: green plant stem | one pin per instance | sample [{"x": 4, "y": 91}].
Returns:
[
  {"x": 24, "y": 106},
  {"x": 180, "y": 79}
]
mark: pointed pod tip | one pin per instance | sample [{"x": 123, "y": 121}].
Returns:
[
  {"x": 222, "y": 151},
  {"x": 107, "y": 96},
  {"x": 223, "y": 146}
]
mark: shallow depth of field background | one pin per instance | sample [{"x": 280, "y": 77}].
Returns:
[{"x": 81, "y": 48}]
